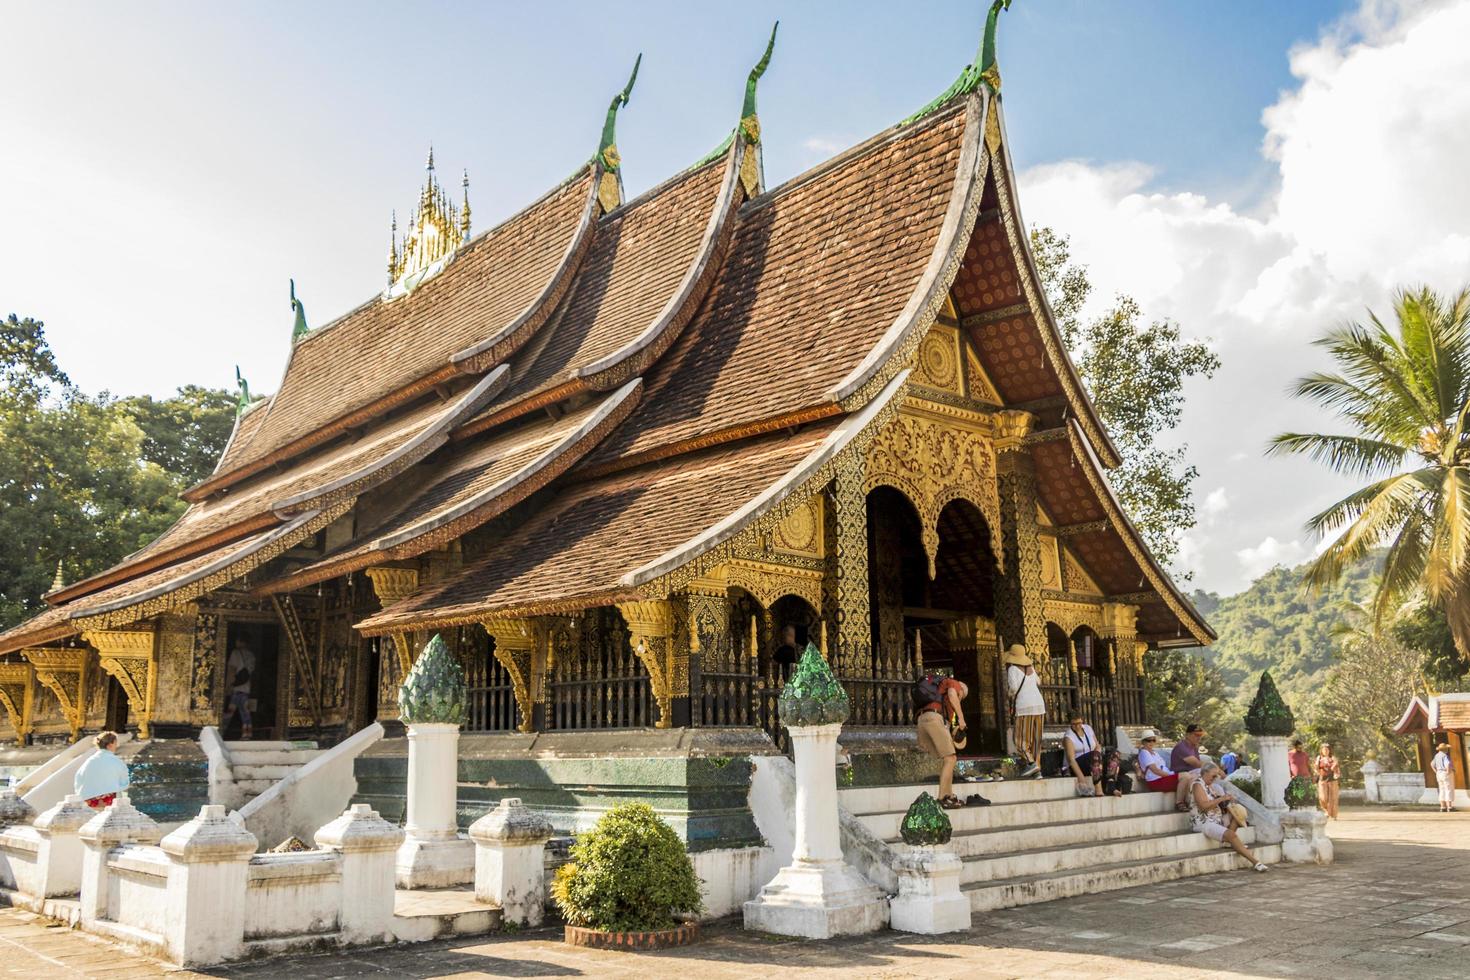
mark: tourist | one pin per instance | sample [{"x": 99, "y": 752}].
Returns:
[
  {"x": 1328, "y": 773},
  {"x": 240, "y": 669},
  {"x": 1209, "y": 812},
  {"x": 103, "y": 775},
  {"x": 1444, "y": 775},
  {"x": 1229, "y": 761},
  {"x": 1084, "y": 756},
  {"x": 1298, "y": 761},
  {"x": 1185, "y": 759},
  {"x": 935, "y": 718},
  {"x": 1028, "y": 708},
  {"x": 1116, "y": 782},
  {"x": 1157, "y": 776}
]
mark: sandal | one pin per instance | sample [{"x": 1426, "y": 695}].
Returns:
[
  {"x": 1182, "y": 807},
  {"x": 951, "y": 802}
]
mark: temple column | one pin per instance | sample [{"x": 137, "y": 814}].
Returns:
[
  {"x": 174, "y": 643},
  {"x": 516, "y": 651},
  {"x": 128, "y": 655},
  {"x": 1119, "y": 635},
  {"x": 651, "y": 628},
  {"x": 847, "y": 565},
  {"x": 63, "y": 672},
  {"x": 707, "y": 603},
  {"x": 17, "y": 694},
  {"x": 1018, "y": 610}
]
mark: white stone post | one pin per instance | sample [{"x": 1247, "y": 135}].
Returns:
[
  {"x": 119, "y": 824},
  {"x": 14, "y": 810},
  {"x": 59, "y": 858},
  {"x": 1304, "y": 837},
  {"x": 510, "y": 861},
  {"x": 1370, "y": 770},
  {"x": 1275, "y": 771},
  {"x": 368, "y": 844},
  {"x": 209, "y": 863},
  {"x": 818, "y": 895},
  {"x": 929, "y": 900},
  {"x": 432, "y": 704}
]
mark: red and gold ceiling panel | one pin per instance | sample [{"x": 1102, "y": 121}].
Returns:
[{"x": 1063, "y": 487}]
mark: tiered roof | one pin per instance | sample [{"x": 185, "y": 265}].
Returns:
[{"x": 640, "y": 381}]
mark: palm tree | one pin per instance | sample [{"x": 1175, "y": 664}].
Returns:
[{"x": 1406, "y": 393}]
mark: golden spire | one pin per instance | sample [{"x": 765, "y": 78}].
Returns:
[
  {"x": 58, "y": 583},
  {"x": 435, "y": 232},
  {"x": 393, "y": 248},
  {"x": 464, "y": 209}
]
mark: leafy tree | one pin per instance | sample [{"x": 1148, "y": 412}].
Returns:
[
  {"x": 1135, "y": 373},
  {"x": 185, "y": 434},
  {"x": 81, "y": 484},
  {"x": 1404, "y": 395},
  {"x": 1184, "y": 689},
  {"x": 1425, "y": 628},
  {"x": 1371, "y": 679}
]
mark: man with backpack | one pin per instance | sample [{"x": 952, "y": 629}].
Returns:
[{"x": 938, "y": 700}]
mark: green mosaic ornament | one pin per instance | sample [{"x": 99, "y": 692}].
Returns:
[
  {"x": 1268, "y": 713},
  {"x": 434, "y": 690},
  {"x": 926, "y": 823},
  {"x": 985, "y": 68},
  {"x": 812, "y": 696}
]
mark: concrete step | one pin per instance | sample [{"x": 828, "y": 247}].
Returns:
[
  {"x": 1079, "y": 857},
  {"x": 1009, "y": 840},
  {"x": 883, "y": 799},
  {"x": 1057, "y": 810},
  {"x": 254, "y": 787},
  {"x": 263, "y": 745},
  {"x": 1029, "y": 890},
  {"x": 273, "y": 757},
  {"x": 271, "y": 773}
]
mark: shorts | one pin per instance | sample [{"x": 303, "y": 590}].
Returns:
[
  {"x": 934, "y": 736},
  {"x": 101, "y": 802},
  {"x": 1214, "y": 831},
  {"x": 1164, "y": 784}
]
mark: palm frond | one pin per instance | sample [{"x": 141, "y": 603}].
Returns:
[{"x": 1353, "y": 455}]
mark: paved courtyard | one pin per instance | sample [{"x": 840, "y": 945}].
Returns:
[{"x": 1396, "y": 904}]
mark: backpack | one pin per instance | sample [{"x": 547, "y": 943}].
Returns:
[{"x": 926, "y": 690}]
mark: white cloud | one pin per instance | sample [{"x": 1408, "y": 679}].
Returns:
[
  {"x": 823, "y": 146},
  {"x": 1258, "y": 560},
  {"x": 1370, "y": 149}
]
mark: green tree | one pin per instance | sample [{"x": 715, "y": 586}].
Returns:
[
  {"x": 1185, "y": 689},
  {"x": 1404, "y": 395},
  {"x": 1373, "y": 675},
  {"x": 1135, "y": 373},
  {"x": 185, "y": 434}
]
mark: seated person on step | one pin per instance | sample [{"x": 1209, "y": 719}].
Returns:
[
  {"x": 1187, "y": 758},
  {"x": 1157, "y": 776},
  {"x": 1115, "y": 782},
  {"x": 1210, "y": 811},
  {"x": 1084, "y": 756}
]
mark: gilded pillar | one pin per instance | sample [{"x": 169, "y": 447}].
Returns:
[
  {"x": 17, "y": 694},
  {"x": 707, "y": 605},
  {"x": 517, "y": 650},
  {"x": 651, "y": 634},
  {"x": 848, "y": 567},
  {"x": 63, "y": 671},
  {"x": 128, "y": 655},
  {"x": 1018, "y": 613}
]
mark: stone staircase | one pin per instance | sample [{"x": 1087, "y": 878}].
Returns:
[
  {"x": 257, "y": 766},
  {"x": 1038, "y": 842}
]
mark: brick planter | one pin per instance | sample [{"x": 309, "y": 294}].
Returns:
[{"x": 681, "y": 935}]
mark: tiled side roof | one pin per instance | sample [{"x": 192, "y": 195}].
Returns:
[
  {"x": 586, "y": 538},
  {"x": 245, "y": 428},
  {"x": 817, "y": 273},
  {"x": 633, "y": 269},
  {"x": 383, "y": 347}
]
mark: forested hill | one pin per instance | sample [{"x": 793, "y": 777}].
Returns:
[{"x": 1277, "y": 624}]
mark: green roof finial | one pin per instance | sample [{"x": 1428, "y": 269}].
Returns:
[
  {"x": 607, "y": 150},
  {"x": 750, "y": 126},
  {"x": 244, "y": 386},
  {"x": 983, "y": 69},
  {"x": 299, "y": 329}
]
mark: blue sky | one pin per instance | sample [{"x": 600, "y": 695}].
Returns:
[{"x": 170, "y": 165}]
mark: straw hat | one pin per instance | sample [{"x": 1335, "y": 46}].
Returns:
[{"x": 1017, "y": 655}]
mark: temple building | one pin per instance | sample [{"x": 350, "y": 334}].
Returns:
[{"x": 627, "y": 456}]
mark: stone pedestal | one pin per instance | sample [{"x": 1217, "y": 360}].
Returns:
[
  {"x": 1305, "y": 839},
  {"x": 120, "y": 823},
  {"x": 368, "y": 845},
  {"x": 59, "y": 859},
  {"x": 1275, "y": 771},
  {"x": 510, "y": 861},
  {"x": 209, "y": 860},
  {"x": 818, "y": 895},
  {"x": 1370, "y": 771},
  {"x": 434, "y": 854},
  {"x": 14, "y": 810},
  {"x": 929, "y": 901}
]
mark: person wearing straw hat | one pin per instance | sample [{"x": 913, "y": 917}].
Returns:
[
  {"x": 1028, "y": 707},
  {"x": 1444, "y": 774}
]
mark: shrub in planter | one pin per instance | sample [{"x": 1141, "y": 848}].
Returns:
[
  {"x": 1300, "y": 793},
  {"x": 629, "y": 873},
  {"x": 1250, "y": 787}
]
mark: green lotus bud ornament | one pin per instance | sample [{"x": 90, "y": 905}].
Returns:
[
  {"x": 812, "y": 696},
  {"x": 1268, "y": 713},
  {"x": 926, "y": 823},
  {"x": 434, "y": 690}
]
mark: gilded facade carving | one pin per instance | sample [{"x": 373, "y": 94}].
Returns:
[
  {"x": 203, "y": 668},
  {"x": 768, "y": 581},
  {"x": 16, "y": 694},
  {"x": 801, "y": 532},
  {"x": 305, "y": 699},
  {"x": 938, "y": 364},
  {"x": 651, "y": 628},
  {"x": 1051, "y": 565},
  {"x": 1018, "y": 601},
  {"x": 63, "y": 672},
  {"x": 516, "y": 641},
  {"x": 172, "y": 680},
  {"x": 128, "y": 656},
  {"x": 934, "y": 461},
  {"x": 849, "y": 560}
]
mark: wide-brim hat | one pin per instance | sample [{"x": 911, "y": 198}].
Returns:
[
  {"x": 1148, "y": 733},
  {"x": 1017, "y": 655}
]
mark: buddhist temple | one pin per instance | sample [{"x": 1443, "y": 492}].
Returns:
[{"x": 627, "y": 456}]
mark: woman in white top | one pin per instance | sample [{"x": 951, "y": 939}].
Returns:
[
  {"x": 1028, "y": 708},
  {"x": 1209, "y": 813},
  {"x": 1444, "y": 775},
  {"x": 1084, "y": 756}
]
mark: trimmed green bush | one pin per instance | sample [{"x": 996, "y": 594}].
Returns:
[
  {"x": 1300, "y": 792},
  {"x": 629, "y": 873},
  {"x": 1250, "y": 787}
]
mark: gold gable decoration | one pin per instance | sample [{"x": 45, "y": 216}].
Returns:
[
  {"x": 435, "y": 232},
  {"x": 128, "y": 656},
  {"x": 63, "y": 671}
]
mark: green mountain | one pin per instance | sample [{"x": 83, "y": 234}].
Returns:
[{"x": 1277, "y": 624}]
